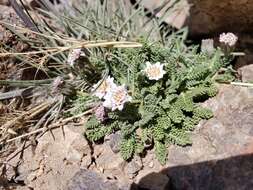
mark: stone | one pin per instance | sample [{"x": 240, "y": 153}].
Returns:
[
  {"x": 219, "y": 15},
  {"x": 88, "y": 180},
  {"x": 231, "y": 127},
  {"x": 154, "y": 181},
  {"x": 178, "y": 156},
  {"x": 114, "y": 141},
  {"x": 109, "y": 163},
  {"x": 246, "y": 73},
  {"x": 54, "y": 160},
  {"x": 172, "y": 12},
  {"x": 4, "y": 2},
  {"x": 133, "y": 167}
]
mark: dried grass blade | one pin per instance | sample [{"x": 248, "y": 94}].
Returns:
[{"x": 26, "y": 18}]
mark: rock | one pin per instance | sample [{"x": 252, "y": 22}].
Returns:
[
  {"x": 217, "y": 16},
  {"x": 177, "y": 14},
  {"x": 178, "y": 156},
  {"x": 246, "y": 73},
  {"x": 114, "y": 141},
  {"x": 201, "y": 150},
  {"x": 146, "y": 169},
  {"x": 88, "y": 180},
  {"x": 4, "y": 2},
  {"x": 231, "y": 127},
  {"x": 108, "y": 162},
  {"x": 154, "y": 181},
  {"x": 55, "y": 160},
  {"x": 220, "y": 15},
  {"x": 220, "y": 145},
  {"x": 133, "y": 167}
]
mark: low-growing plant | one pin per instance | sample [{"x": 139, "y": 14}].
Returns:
[{"x": 160, "y": 103}]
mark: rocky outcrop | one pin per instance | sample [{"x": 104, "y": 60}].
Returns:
[
  {"x": 205, "y": 17},
  {"x": 216, "y": 16}
]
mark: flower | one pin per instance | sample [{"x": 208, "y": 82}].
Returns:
[
  {"x": 229, "y": 39},
  {"x": 102, "y": 87},
  {"x": 74, "y": 55},
  {"x": 100, "y": 113},
  {"x": 116, "y": 98},
  {"x": 57, "y": 84},
  {"x": 155, "y": 71}
]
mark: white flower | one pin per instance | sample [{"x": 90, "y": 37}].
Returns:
[
  {"x": 116, "y": 98},
  {"x": 155, "y": 71},
  {"x": 229, "y": 39},
  {"x": 102, "y": 87},
  {"x": 74, "y": 55}
]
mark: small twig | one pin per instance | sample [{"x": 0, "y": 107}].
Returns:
[
  {"x": 244, "y": 84},
  {"x": 113, "y": 44},
  {"x": 238, "y": 53},
  {"x": 15, "y": 93},
  {"x": 235, "y": 54},
  {"x": 53, "y": 126},
  {"x": 25, "y": 83}
]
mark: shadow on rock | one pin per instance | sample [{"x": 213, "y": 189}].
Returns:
[{"x": 235, "y": 173}]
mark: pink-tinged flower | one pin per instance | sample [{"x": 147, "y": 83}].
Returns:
[
  {"x": 74, "y": 55},
  {"x": 57, "y": 84},
  {"x": 102, "y": 87},
  {"x": 154, "y": 71},
  {"x": 229, "y": 39},
  {"x": 116, "y": 98},
  {"x": 100, "y": 113}
]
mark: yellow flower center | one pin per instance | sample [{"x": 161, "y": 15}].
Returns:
[
  {"x": 153, "y": 71},
  {"x": 103, "y": 87},
  {"x": 118, "y": 96}
]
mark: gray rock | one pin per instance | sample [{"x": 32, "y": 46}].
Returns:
[
  {"x": 114, "y": 141},
  {"x": 154, "y": 181},
  {"x": 247, "y": 73},
  {"x": 132, "y": 168},
  {"x": 88, "y": 180}
]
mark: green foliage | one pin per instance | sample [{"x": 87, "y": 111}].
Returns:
[
  {"x": 161, "y": 152},
  {"x": 94, "y": 131},
  {"x": 178, "y": 136},
  {"x": 162, "y": 112},
  {"x": 127, "y": 148},
  {"x": 203, "y": 113},
  {"x": 81, "y": 103}
]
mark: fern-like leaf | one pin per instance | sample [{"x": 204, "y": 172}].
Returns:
[
  {"x": 161, "y": 152},
  {"x": 127, "y": 148}
]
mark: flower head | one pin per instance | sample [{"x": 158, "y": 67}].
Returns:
[
  {"x": 100, "y": 113},
  {"x": 74, "y": 55},
  {"x": 229, "y": 39},
  {"x": 116, "y": 98},
  {"x": 57, "y": 84},
  {"x": 155, "y": 71},
  {"x": 102, "y": 87}
]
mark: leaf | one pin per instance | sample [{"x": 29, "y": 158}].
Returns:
[
  {"x": 161, "y": 152},
  {"x": 127, "y": 148},
  {"x": 179, "y": 137}
]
